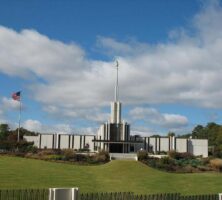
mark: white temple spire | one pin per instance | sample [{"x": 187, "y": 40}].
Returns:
[
  {"x": 116, "y": 105},
  {"x": 117, "y": 82}
]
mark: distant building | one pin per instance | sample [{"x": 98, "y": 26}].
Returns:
[{"x": 114, "y": 137}]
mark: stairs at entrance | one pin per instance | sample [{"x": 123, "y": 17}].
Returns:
[{"x": 123, "y": 156}]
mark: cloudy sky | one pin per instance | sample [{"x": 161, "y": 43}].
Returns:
[{"x": 61, "y": 55}]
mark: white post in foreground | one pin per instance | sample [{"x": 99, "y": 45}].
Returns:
[
  {"x": 220, "y": 196},
  {"x": 63, "y": 193}
]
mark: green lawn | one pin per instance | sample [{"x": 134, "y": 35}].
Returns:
[{"x": 115, "y": 176}]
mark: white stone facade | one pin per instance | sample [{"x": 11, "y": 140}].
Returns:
[
  {"x": 155, "y": 145},
  {"x": 62, "y": 141}
]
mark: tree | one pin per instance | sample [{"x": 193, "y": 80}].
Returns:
[
  {"x": 171, "y": 134},
  {"x": 198, "y": 131},
  {"x": 212, "y": 130},
  {"x": 209, "y": 132},
  {"x": 157, "y": 136},
  {"x": 4, "y": 131},
  {"x": 14, "y": 134}
]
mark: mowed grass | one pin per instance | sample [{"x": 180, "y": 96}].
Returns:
[{"x": 116, "y": 176}]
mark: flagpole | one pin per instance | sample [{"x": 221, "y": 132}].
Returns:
[{"x": 20, "y": 108}]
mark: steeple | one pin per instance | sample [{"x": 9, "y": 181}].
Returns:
[
  {"x": 116, "y": 105},
  {"x": 117, "y": 82}
]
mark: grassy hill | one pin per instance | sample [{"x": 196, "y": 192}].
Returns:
[{"x": 115, "y": 176}]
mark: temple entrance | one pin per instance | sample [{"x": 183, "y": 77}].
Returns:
[{"x": 116, "y": 148}]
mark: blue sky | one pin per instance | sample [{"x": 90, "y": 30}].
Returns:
[{"x": 61, "y": 54}]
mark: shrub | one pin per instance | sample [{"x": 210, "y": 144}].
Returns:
[
  {"x": 162, "y": 153},
  {"x": 216, "y": 164},
  {"x": 217, "y": 152},
  {"x": 84, "y": 150},
  {"x": 8, "y": 145},
  {"x": 195, "y": 163},
  {"x": 12, "y": 146},
  {"x": 206, "y": 161},
  {"x": 142, "y": 155},
  {"x": 152, "y": 162},
  {"x": 173, "y": 154},
  {"x": 102, "y": 156},
  {"x": 204, "y": 168},
  {"x": 56, "y": 157},
  {"x": 79, "y": 157},
  {"x": 31, "y": 155},
  {"x": 187, "y": 155},
  {"x": 24, "y": 146},
  {"x": 188, "y": 169},
  {"x": 46, "y": 152},
  {"x": 178, "y": 156},
  {"x": 68, "y": 154},
  {"x": 32, "y": 149},
  {"x": 166, "y": 161}
]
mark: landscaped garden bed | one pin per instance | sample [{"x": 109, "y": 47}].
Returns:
[
  {"x": 181, "y": 162},
  {"x": 64, "y": 156}
]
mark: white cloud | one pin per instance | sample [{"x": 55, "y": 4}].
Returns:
[
  {"x": 33, "y": 125},
  {"x": 91, "y": 114},
  {"x": 37, "y": 126},
  {"x": 174, "y": 121},
  {"x": 2, "y": 117},
  {"x": 8, "y": 104},
  {"x": 113, "y": 47},
  {"x": 87, "y": 130},
  {"x": 185, "y": 70},
  {"x": 143, "y": 131},
  {"x": 151, "y": 115}
]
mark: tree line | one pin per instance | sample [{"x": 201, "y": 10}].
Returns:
[
  {"x": 7, "y": 134},
  {"x": 9, "y": 138},
  {"x": 212, "y": 132}
]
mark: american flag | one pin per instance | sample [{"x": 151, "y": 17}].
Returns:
[{"x": 16, "y": 96}]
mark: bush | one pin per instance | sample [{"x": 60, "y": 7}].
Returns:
[
  {"x": 162, "y": 153},
  {"x": 182, "y": 165},
  {"x": 84, "y": 150},
  {"x": 187, "y": 155},
  {"x": 206, "y": 161},
  {"x": 102, "y": 156},
  {"x": 8, "y": 145},
  {"x": 166, "y": 161},
  {"x": 152, "y": 162},
  {"x": 178, "y": 156},
  {"x": 56, "y": 157},
  {"x": 216, "y": 164},
  {"x": 204, "y": 168},
  {"x": 188, "y": 169},
  {"x": 32, "y": 149},
  {"x": 12, "y": 146},
  {"x": 46, "y": 152},
  {"x": 142, "y": 155},
  {"x": 24, "y": 146},
  {"x": 29, "y": 155},
  {"x": 68, "y": 154},
  {"x": 79, "y": 157}
]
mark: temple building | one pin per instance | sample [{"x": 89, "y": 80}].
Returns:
[{"x": 114, "y": 137}]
